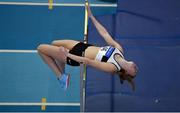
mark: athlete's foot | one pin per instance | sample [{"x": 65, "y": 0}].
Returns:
[{"x": 64, "y": 81}]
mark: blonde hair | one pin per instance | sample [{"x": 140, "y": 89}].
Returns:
[{"x": 126, "y": 77}]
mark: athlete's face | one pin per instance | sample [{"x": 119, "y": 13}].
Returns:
[{"x": 131, "y": 69}]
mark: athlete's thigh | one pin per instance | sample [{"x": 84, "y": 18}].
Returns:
[
  {"x": 69, "y": 44},
  {"x": 53, "y": 51}
]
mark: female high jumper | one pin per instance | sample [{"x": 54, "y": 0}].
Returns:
[{"x": 108, "y": 58}]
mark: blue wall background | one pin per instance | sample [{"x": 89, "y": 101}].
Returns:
[{"x": 149, "y": 32}]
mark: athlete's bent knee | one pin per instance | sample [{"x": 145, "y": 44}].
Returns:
[
  {"x": 39, "y": 47},
  {"x": 55, "y": 42}
]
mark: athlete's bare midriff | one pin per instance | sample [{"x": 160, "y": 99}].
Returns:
[{"x": 91, "y": 52}]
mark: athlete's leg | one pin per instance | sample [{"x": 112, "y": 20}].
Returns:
[
  {"x": 69, "y": 44},
  {"x": 61, "y": 65},
  {"x": 52, "y": 54},
  {"x": 51, "y": 63}
]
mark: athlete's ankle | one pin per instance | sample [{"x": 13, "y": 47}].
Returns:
[{"x": 64, "y": 81}]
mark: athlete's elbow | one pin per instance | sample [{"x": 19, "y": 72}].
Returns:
[{"x": 105, "y": 33}]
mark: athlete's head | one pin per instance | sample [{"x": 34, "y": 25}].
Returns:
[
  {"x": 129, "y": 67},
  {"x": 128, "y": 70}
]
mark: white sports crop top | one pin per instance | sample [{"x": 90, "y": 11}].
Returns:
[{"x": 107, "y": 54}]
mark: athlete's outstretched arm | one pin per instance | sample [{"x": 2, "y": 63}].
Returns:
[
  {"x": 103, "y": 66},
  {"x": 102, "y": 31}
]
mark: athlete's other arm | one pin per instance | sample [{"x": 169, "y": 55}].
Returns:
[
  {"x": 107, "y": 67},
  {"x": 103, "y": 32}
]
